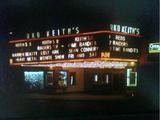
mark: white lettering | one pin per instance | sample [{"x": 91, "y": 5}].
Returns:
[
  {"x": 124, "y": 29},
  {"x": 46, "y": 42},
  {"x": 59, "y": 57},
  {"x": 46, "y": 47},
  {"x": 55, "y": 51},
  {"x": 88, "y": 49},
  {"x": 70, "y": 55},
  {"x": 80, "y": 55},
  {"x": 73, "y": 45},
  {"x": 120, "y": 37},
  {"x": 85, "y": 44},
  {"x": 75, "y": 50},
  {"x": 49, "y": 57},
  {"x": 44, "y": 52}
]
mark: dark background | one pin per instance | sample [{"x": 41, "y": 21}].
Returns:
[{"x": 36, "y": 15}]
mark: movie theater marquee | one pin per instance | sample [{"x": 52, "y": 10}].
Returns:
[{"x": 79, "y": 46}]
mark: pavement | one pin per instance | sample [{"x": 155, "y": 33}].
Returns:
[
  {"x": 73, "y": 96},
  {"x": 74, "y": 106}
]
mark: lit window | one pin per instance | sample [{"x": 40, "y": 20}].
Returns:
[
  {"x": 34, "y": 79},
  {"x": 62, "y": 82}
]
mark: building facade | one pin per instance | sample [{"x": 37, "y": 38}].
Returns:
[{"x": 102, "y": 61}]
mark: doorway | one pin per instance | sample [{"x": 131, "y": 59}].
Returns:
[
  {"x": 118, "y": 83},
  {"x": 49, "y": 83}
]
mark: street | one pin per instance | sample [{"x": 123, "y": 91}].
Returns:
[{"x": 38, "y": 106}]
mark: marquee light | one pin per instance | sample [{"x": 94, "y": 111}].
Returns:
[{"x": 95, "y": 64}]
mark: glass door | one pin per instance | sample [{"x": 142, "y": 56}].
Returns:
[
  {"x": 118, "y": 82},
  {"x": 49, "y": 79},
  {"x": 62, "y": 78}
]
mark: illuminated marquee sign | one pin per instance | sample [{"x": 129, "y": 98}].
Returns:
[
  {"x": 84, "y": 46},
  {"x": 54, "y": 32},
  {"x": 154, "y": 48},
  {"x": 124, "y": 29}
]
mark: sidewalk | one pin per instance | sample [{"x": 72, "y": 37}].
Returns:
[{"x": 71, "y": 96}]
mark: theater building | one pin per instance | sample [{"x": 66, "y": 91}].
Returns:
[{"x": 102, "y": 61}]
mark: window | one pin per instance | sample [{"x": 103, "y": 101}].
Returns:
[
  {"x": 62, "y": 82},
  {"x": 34, "y": 79}
]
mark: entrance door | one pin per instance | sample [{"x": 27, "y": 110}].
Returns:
[
  {"x": 49, "y": 80},
  {"x": 98, "y": 82},
  {"x": 118, "y": 83},
  {"x": 62, "y": 78}
]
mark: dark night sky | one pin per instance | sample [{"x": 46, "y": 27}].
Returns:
[{"x": 21, "y": 16}]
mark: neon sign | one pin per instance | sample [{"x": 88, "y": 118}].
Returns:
[
  {"x": 124, "y": 29},
  {"x": 154, "y": 48},
  {"x": 54, "y": 32},
  {"x": 93, "y": 64}
]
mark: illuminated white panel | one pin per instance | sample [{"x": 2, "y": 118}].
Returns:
[
  {"x": 71, "y": 80},
  {"x": 107, "y": 80},
  {"x": 135, "y": 78},
  {"x": 129, "y": 78},
  {"x": 94, "y": 64},
  {"x": 96, "y": 78}
]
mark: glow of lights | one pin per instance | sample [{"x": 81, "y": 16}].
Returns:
[
  {"x": 94, "y": 64},
  {"x": 132, "y": 63},
  {"x": 10, "y": 61},
  {"x": 10, "y": 33},
  {"x": 50, "y": 67}
]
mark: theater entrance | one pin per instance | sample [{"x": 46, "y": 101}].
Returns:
[
  {"x": 104, "y": 81},
  {"x": 56, "y": 80}
]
